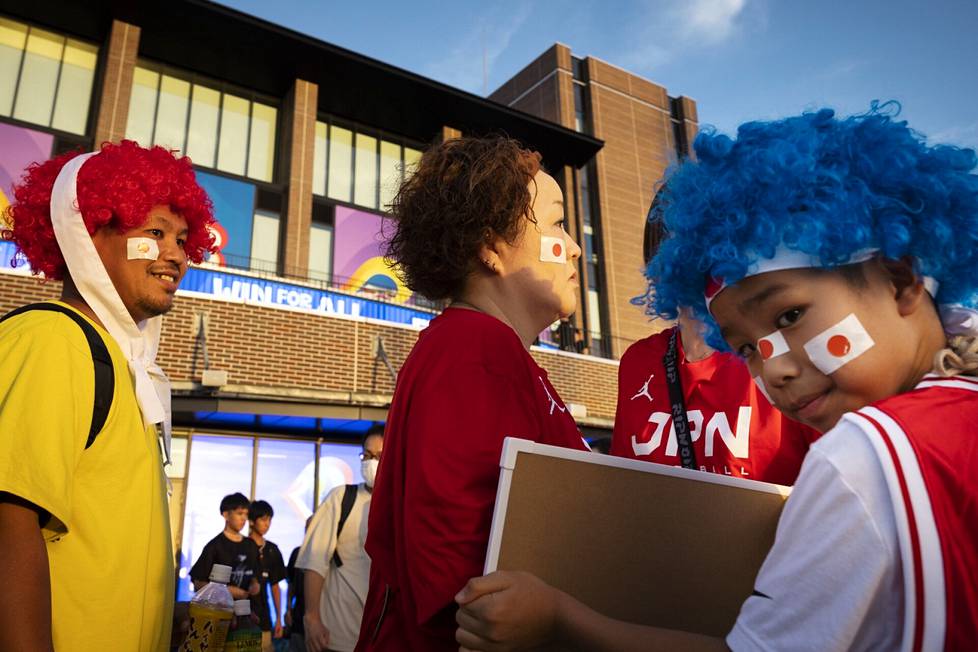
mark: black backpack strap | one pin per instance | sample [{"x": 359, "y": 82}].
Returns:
[
  {"x": 349, "y": 497},
  {"x": 102, "y": 361}
]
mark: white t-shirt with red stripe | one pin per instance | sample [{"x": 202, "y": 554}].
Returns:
[{"x": 857, "y": 561}]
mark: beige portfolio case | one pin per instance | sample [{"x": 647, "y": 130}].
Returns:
[{"x": 640, "y": 542}]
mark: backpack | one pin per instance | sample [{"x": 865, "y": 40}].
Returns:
[
  {"x": 349, "y": 497},
  {"x": 101, "y": 360}
]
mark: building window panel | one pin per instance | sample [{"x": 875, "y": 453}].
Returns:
[
  {"x": 142, "y": 106},
  {"x": 171, "y": 113},
  {"x": 218, "y": 466},
  {"x": 319, "y": 159},
  {"x": 411, "y": 159},
  {"x": 205, "y": 111},
  {"x": 261, "y": 145},
  {"x": 340, "y": 184},
  {"x": 39, "y": 77},
  {"x": 75, "y": 87},
  {"x": 320, "y": 251},
  {"x": 365, "y": 179},
  {"x": 390, "y": 172},
  {"x": 13, "y": 37},
  {"x": 264, "y": 241},
  {"x": 232, "y": 153},
  {"x": 230, "y": 132}
]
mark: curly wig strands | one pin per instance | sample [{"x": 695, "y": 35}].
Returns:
[
  {"x": 463, "y": 193},
  {"x": 117, "y": 188},
  {"x": 821, "y": 185}
]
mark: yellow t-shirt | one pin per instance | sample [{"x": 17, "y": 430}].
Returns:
[{"x": 108, "y": 539}]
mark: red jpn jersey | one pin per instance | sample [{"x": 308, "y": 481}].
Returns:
[
  {"x": 735, "y": 430},
  {"x": 927, "y": 444},
  {"x": 467, "y": 384}
]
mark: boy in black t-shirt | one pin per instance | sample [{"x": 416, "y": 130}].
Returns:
[
  {"x": 231, "y": 548},
  {"x": 271, "y": 572}
]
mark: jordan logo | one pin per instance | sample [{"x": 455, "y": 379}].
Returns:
[
  {"x": 644, "y": 391},
  {"x": 553, "y": 401}
]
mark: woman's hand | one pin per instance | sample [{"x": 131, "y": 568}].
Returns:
[{"x": 507, "y": 610}]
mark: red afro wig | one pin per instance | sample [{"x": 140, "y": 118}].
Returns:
[{"x": 117, "y": 188}]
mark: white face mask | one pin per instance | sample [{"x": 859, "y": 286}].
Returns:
[{"x": 368, "y": 469}]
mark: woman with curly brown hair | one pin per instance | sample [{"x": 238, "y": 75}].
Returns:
[{"x": 480, "y": 224}]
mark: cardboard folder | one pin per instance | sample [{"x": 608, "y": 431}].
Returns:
[{"x": 641, "y": 542}]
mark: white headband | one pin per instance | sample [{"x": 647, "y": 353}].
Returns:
[
  {"x": 139, "y": 342},
  {"x": 956, "y": 318}
]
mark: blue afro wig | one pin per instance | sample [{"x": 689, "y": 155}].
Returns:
[{"x": 821, "y": 185}]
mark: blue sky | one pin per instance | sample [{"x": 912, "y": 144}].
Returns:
[{"x": 739, "y": 59}]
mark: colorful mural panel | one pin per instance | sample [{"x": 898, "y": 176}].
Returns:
[{"x": 358, "y": 261}]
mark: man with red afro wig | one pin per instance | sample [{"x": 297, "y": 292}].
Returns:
[{"x": 88, "y": 563}]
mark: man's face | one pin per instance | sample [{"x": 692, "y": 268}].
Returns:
[
  {"x": 236, "y": 518},
  {"x": 262, "y": 524},
  {"x": 373, "y": 447},
  {"x": 146, "y": 287}
]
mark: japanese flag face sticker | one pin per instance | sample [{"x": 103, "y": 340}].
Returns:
[
  {"x": 552, "y": 250},
  {"x": 142, "y": 249},
  {"x": 771, "y": 346},
  {"x": 838, "y": 345}
]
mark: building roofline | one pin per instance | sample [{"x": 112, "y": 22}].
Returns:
[{"x": 198, "y": 34}]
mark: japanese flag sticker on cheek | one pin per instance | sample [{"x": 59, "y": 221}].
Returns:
[
  {"x": 142, "y": 249},
  {"x": 552, "y": 250},
  {"x": 838, "y": 345}
]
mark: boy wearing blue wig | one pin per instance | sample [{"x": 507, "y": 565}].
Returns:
[{"x": 838, "y": 258}]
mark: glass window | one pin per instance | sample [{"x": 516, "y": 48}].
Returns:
[
  {"x": 319, "y": 159},
  {"x": 338, "y": 464},
  {"x": 365, "y": 176},
  {"x": 411, "y": 158},
  {"x": 340, "y": 184},
  {"x": 205, "y": 110},
  {"x": 142, "y": 106},
  {"x": 75, "y": 87},
  {"x": 171, "y": 113},
  {"x": 261, "y": 146},
  {"x": 233, "y": 148},
  {"x": 13, "y": 37},
  {"x": 39, "y": 77},
  {"x": 264, "y": 241},
  {"x": 320, "y": 251},
  {"x": 285, "y": 477},
  {"x": 215, "y": 129},
  {"x": 390, "y": 172},
  {"x": 218, "y": 466}
]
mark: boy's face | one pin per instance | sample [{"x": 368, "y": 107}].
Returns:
[
  {"x": 802, "y": 304},
  {"x": 261, "y": 524},
  {"x": 146, "y": 287},
  {"x": 236, "y": 518}
]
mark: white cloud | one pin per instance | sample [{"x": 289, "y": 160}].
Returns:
[
  {"x": 666, "y": 28},
  {"x": 476, "y": 51},
  {"x": 713, "y": 20},
  {"x": 965, "y": 135}
]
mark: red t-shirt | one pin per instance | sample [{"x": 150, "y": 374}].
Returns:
[
  {"x": 735, "y": 430},
  {"x": 467, "y": 384}
]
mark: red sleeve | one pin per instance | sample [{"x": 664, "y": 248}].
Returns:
[{"x": 457, "y": 427}]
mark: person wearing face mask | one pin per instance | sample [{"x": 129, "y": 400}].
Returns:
[{"x": 336, "y": 567}]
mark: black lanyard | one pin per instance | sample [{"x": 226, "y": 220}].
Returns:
[{"x": 679, "y": 421}]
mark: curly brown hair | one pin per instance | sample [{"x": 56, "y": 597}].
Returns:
[{"x": 463, "y": 193}]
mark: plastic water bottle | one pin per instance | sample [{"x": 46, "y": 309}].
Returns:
[
  {"x": 211, "y": 611},
  {"x": 244, "y": 635}
]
